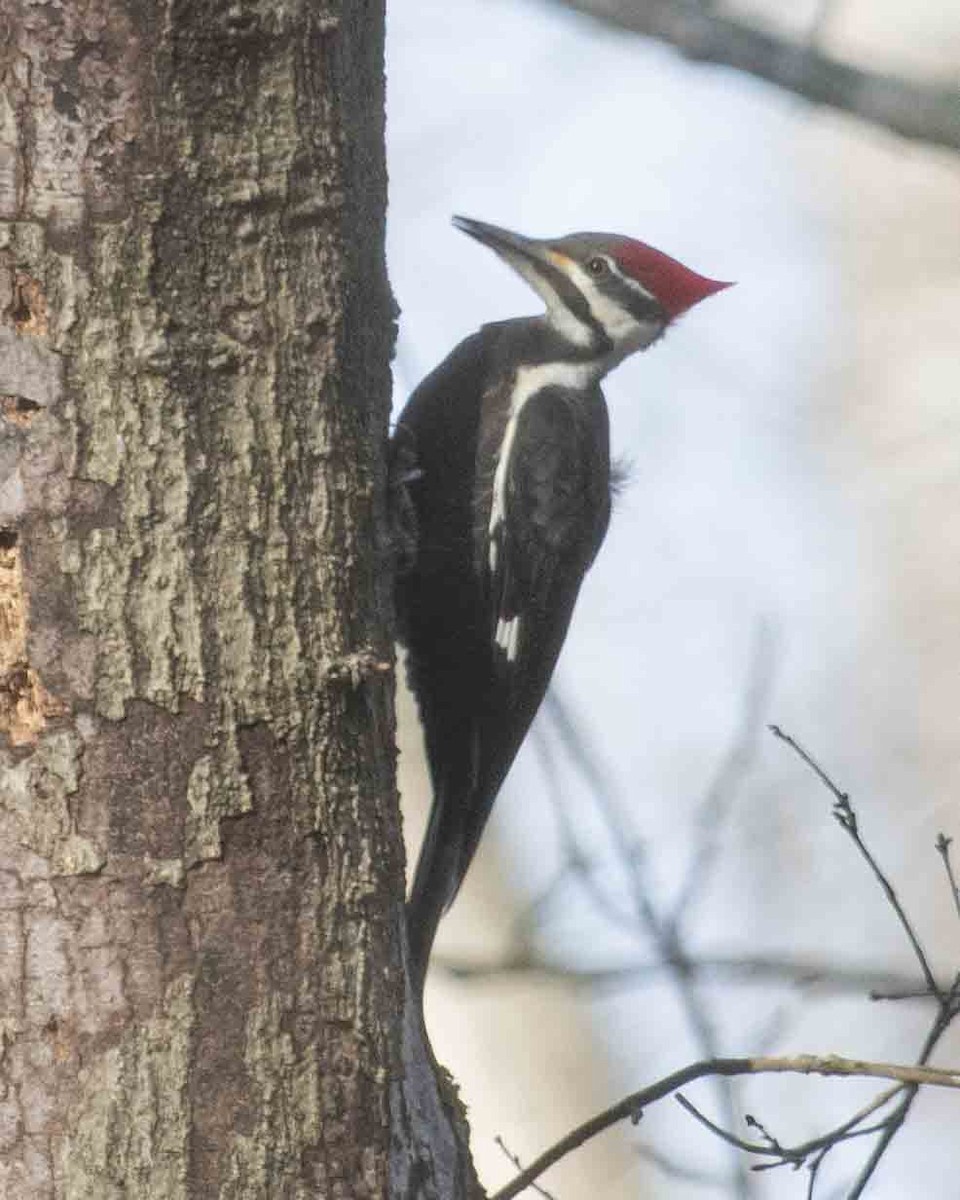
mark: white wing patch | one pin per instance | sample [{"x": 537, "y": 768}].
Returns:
[{"x": 507, "y": 636}]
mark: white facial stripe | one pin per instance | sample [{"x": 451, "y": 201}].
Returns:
[
  {"x": 619, "y": 324},
  {"x": 634, "y": 284},
  {"x": 565, "y": 322},
  {"x": 561, "y": 317}
]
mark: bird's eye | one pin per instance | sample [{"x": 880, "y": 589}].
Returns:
[{"x": 597, "y": 266}]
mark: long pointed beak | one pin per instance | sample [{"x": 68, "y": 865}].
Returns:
[
  {"x": 505, "y": 243},
  {"x": 529, "y": 257}
]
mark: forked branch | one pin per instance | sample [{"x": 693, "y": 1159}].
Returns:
[{"x": 631, "y": 1107}]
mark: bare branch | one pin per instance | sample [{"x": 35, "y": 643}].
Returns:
[
  {"x": 631, "y": 1107},
  {"x": 667, "y": 935},
  {"x": 943, "y": 845},
  {"x": 948, "y": 1000},
  {"x": 666, "y": 932},
  {"x": 796, "y": 1156},
  {"x": 892, "y": 1128},
  {"x": 948, "y": 1010},
  {"x": 519, "y": 1165},
  {"x": 768, "y": 1147},
  {"x": 663, "y": 930},
  {"x": 747, "y": 971},
  {"x": 914, "y": 110},
  {"x": 898, "y": 994},
  {"x": 847, "y": 819}
]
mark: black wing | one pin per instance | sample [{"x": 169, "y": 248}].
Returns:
[
  {"x": 556, "y": 497},
  {"x": 556, "y": 501}
]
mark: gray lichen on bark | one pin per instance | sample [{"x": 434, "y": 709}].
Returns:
[
  {"x": 200, "y": 874},
  {"x": 36, "y": 796},
  {"x": 130, "y": 1126},
  {"x": 291, "y": 1117},
  {"x": 217, "y": 789},
  {"x": 136, "y": 591}
]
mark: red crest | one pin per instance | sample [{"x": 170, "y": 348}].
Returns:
[{"x": 675, "y": 286}]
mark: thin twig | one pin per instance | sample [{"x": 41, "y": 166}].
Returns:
[
  {"x": 666, "y": 936},
  {"x": 847, "y": 819},
  {"x": 893, "y": 1125},
  {"x": 733, "y": 970},
  {"x": 947, "y": 1000},
  {"x": 795, "y": 1156},
  {"x": 725, "y": 1135},
  {"x": 943, "y": 845},
  {"x": 914, "y": 993},
  {"x": 632, "y": 1106},
  {"x": 944, "y": 1017},
  {"x": 541, "y": 1191}
]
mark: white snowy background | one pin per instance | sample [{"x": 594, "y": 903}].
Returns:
[{"x": 794, "y": 451}]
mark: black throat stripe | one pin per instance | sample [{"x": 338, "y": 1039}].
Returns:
[{"x": 574, "y": 301}]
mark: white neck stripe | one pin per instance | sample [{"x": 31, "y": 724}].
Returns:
[{"x": 529, "y": 381}]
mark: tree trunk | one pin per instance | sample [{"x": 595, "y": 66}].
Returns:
[{"x": 201, "y": 989}]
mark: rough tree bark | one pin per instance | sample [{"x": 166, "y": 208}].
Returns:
[{"x": 201, "y": 991}]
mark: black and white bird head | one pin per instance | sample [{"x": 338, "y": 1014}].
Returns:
[{"x": 606, "y": 295}]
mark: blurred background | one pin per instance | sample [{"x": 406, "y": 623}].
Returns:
[{"x": 663, "y": 879}]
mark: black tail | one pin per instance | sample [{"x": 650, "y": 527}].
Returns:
[
  {"x": 434, "y": 887},
  {"x": 451, "y": 841}
]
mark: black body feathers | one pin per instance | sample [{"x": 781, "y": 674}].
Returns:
[{"x": 505, "y": 452}]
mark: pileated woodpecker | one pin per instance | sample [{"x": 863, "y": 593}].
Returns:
[{"x": 504, "y": 463}]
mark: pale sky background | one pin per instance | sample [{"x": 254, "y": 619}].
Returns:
[{"x": 795, "y": 468}]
